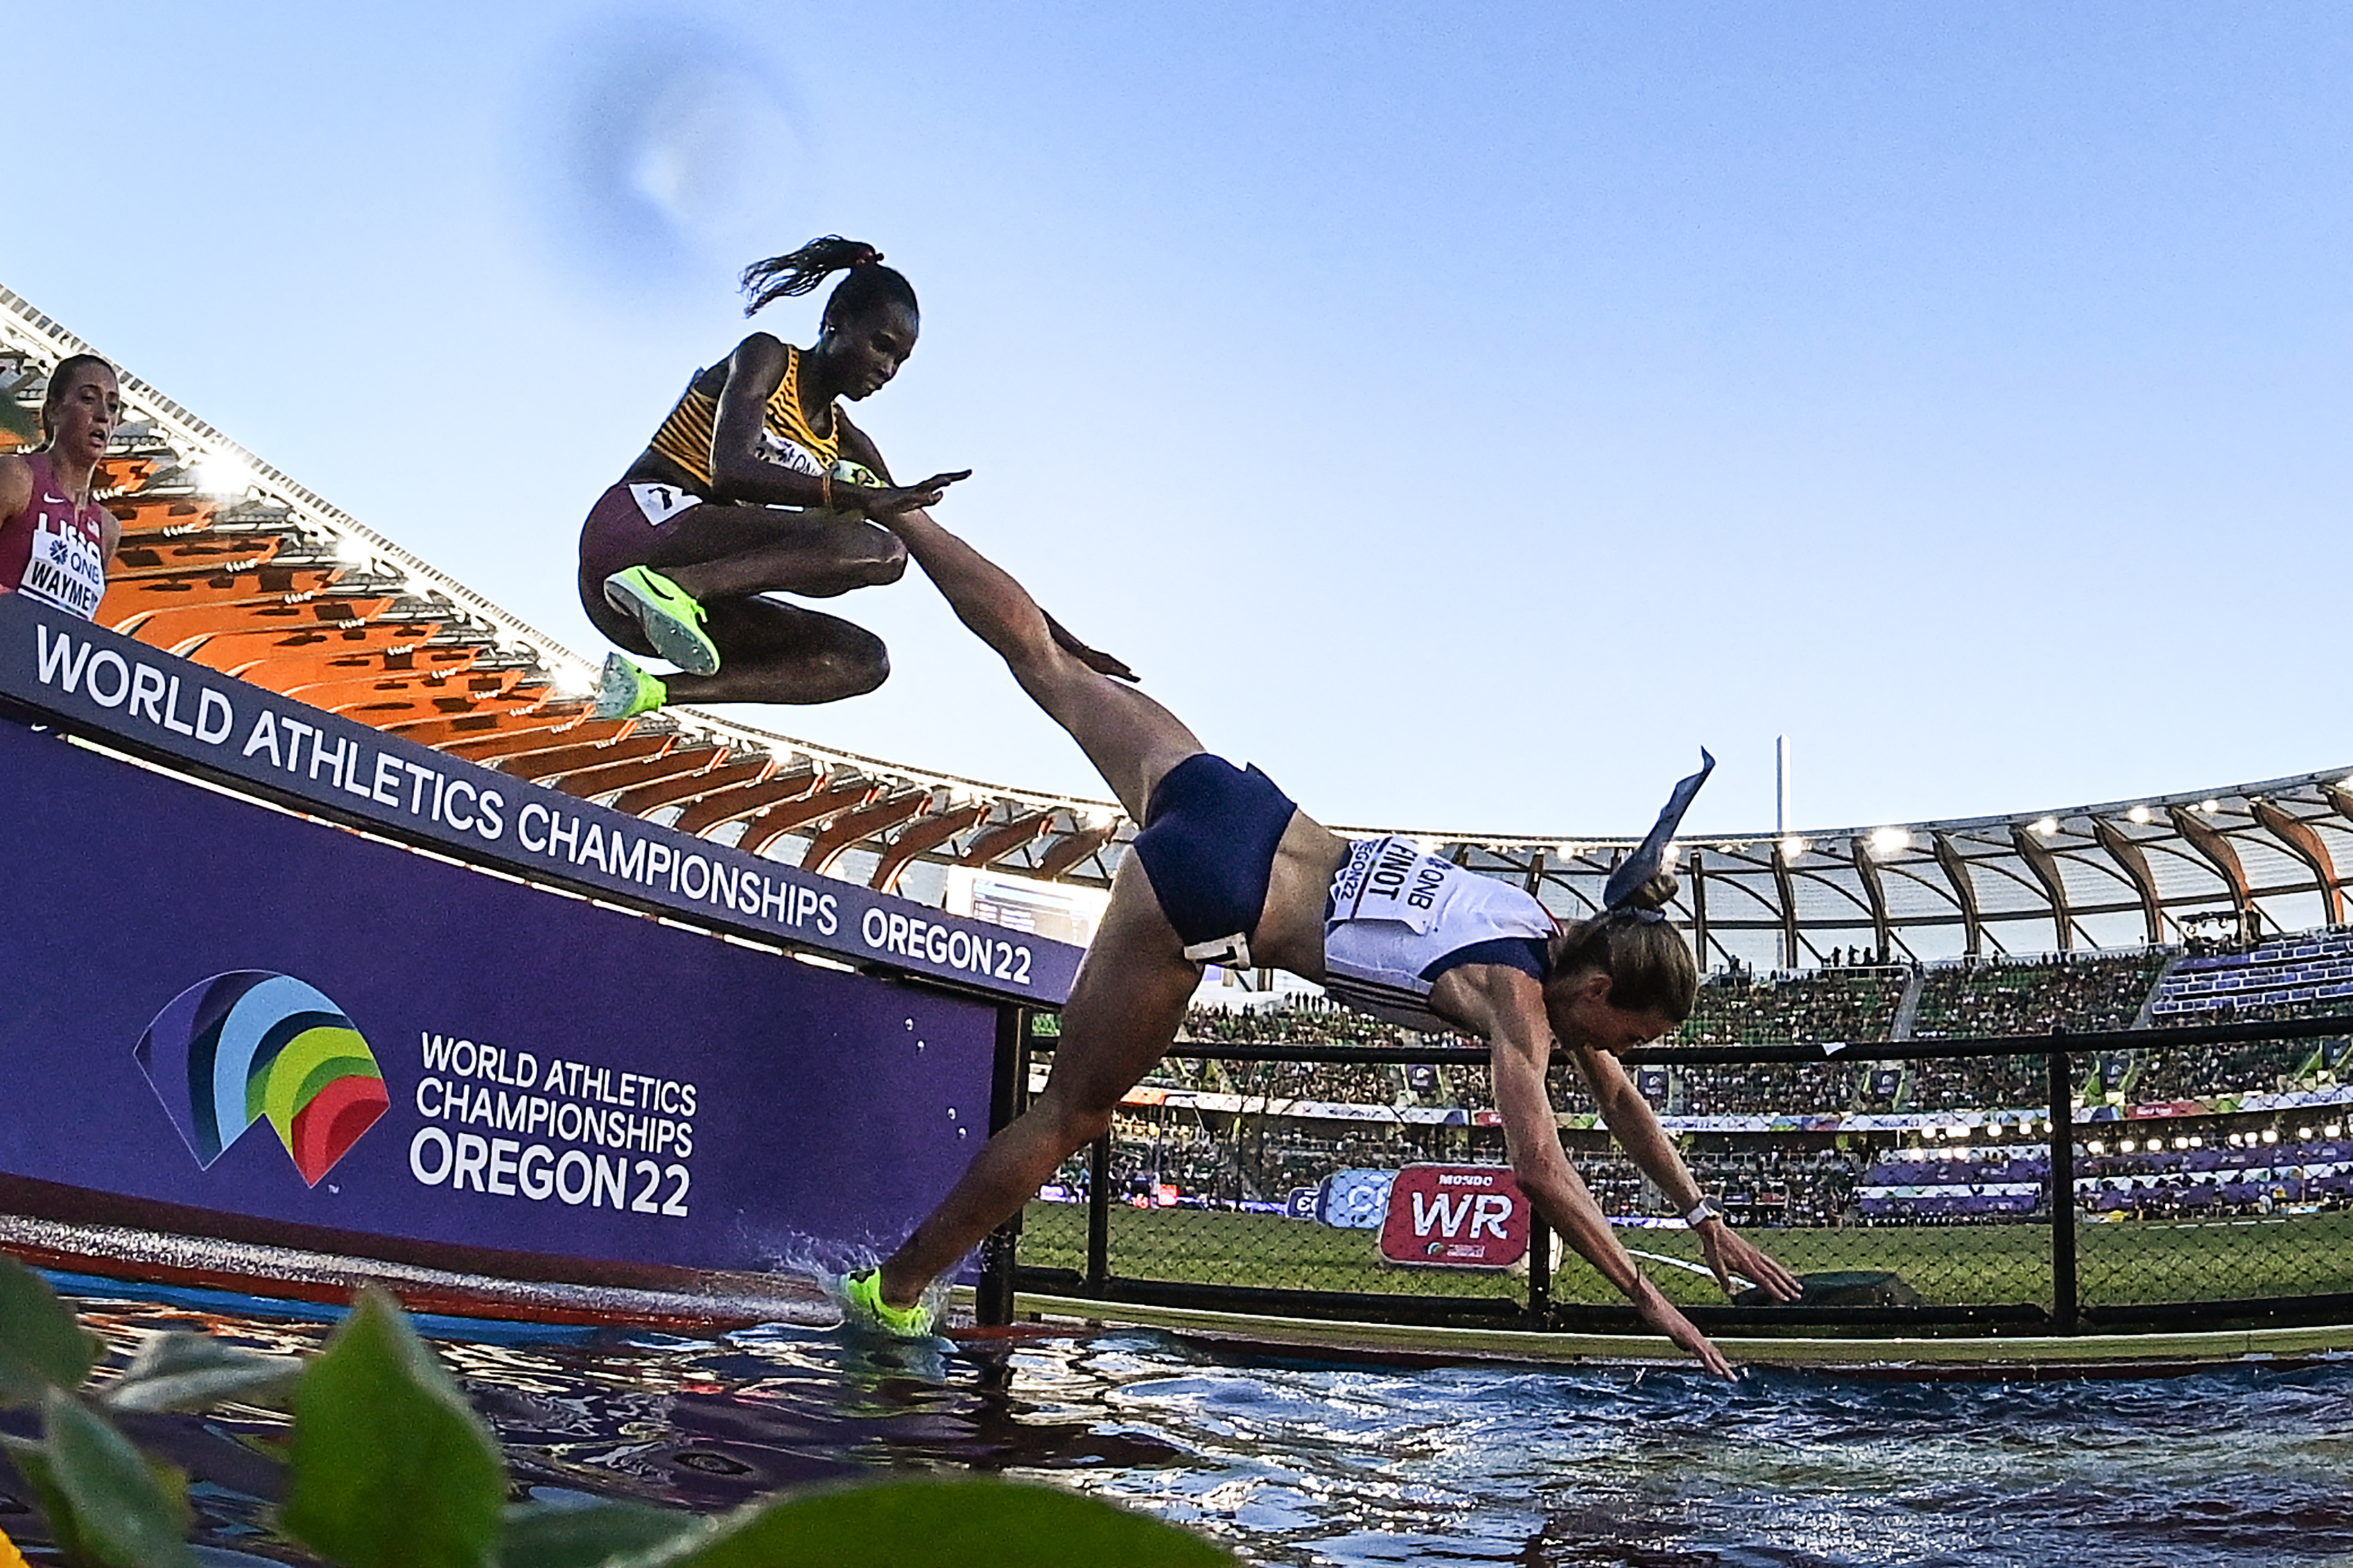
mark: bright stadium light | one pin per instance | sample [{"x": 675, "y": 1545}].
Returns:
[
  {"x": 2095, "y": 1147},
  {"x": 1567, "y": 852},
  {"x": 2138, "y": 814},
  {"x": 2271, "y": 1134},
  {"x": 1793, "y": 846},
  {"x": 2126, "y": 1147},
  {"x": 2047, "y": 826},
  {"x": 2304, "y": 1135},
  {"x": 2210, "y": 807},
  {"x": 2334, "y": 1129},
  {"x": 224, "y": 473},
  {"x": 1885, "y": 841}
]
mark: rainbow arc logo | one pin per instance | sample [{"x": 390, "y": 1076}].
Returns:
[{"x": 248, "y": 1046}]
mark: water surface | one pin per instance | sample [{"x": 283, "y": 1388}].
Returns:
[{"x": 1296, "y": 1463}]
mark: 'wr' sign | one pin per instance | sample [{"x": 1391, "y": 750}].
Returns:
[{"x": 1456, "y": 1217}]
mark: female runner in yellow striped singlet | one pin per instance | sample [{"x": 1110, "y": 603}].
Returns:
[
  {"x": 745, "y": 492},
  {"x": 757, "y": 484}
]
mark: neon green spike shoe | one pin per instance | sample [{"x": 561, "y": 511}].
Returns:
[
  {"x": 672, "y": 621},
  {"x": 864, "y": 1308},
  {"x": 623, "y": 691}
]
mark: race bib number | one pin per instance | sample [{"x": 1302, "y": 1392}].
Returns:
[
  {"x": 663, "y": 502},
  {"x": 67, "y": 570},
  {"x": 1388, "y": 879}
]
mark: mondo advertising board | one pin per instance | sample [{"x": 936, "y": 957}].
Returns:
[
  {"x": 149, "y": 701},
  {"x": 206, "y": 1002},
  {"x": 1456, "y": 1217}
]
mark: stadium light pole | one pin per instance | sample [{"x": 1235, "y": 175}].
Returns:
[{"x": 1782, "y": 784}]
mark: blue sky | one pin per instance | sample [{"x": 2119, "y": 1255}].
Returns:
[{"x": 1463, "y": 412}]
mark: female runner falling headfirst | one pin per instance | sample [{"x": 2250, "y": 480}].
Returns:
[
  {"x": 758, "y": 483},
  {"x": 1226, "y": 870}
]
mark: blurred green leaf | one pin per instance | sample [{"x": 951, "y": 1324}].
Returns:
[
  {"x": 928, "y": 1523},
  {"x": 129, "y": 1513},
  {"x": 191, "y": 1371},
  {"x": 32, "y": 1462},
  {"x": 41, "y": 1346},
  {"x": 541, "y": 1536},
  {"x": 392, "y": 1468}
]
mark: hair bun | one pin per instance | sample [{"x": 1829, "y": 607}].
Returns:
[{"x": 1653, "y": 895}]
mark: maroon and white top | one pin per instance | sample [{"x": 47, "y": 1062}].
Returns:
[{"x": 56, "y": 549}]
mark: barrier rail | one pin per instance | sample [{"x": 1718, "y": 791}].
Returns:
[{"x": 1923, "y": 1185}]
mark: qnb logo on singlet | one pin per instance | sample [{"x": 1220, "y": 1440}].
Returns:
[
  {"x": 66, "y": 568},
  {"x": 1388, "y": 879}
]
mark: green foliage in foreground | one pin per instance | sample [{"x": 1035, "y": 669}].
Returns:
[{"x": 390, "y": 1467}]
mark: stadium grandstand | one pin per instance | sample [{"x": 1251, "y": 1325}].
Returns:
[
  {"x": 2128, "y": 918},
  {"x": 227, "y": 561}
]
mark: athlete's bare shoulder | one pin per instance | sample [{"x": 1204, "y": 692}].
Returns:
[{"x": 15, "y": 486}]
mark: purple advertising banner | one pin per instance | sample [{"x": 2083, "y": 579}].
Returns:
[
  {"x": 152, "y": 702},
  {"x": 206, "y": 1001}
]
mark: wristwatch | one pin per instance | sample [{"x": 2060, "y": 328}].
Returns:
[{"x": 1700, "y": 1213}]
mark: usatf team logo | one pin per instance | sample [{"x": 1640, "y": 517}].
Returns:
[{"x": 246, "y": 1045}]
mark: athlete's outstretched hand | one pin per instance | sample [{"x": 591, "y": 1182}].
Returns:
[
  {"x": 892, "y": 499},
  {"x": 1662, "y": 1316},
  {"x": 1729, "y": 1253}
]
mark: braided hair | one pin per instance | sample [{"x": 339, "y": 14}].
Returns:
[
  {"x": 870, "y": 282},
  {"x": 62, "y": 380}
]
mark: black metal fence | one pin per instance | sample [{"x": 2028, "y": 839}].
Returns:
[{"x": 1926, "y": 1185}]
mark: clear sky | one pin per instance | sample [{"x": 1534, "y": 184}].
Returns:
[{"x": 1462, "y": 411}]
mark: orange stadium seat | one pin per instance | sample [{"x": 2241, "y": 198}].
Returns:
[
  {"x": 650, "y": 797},
  {"x": 778, "y": 820},
  {"x": 720, "y": 807},
  {"x": 840, "y": 836},
  {"x": 162, "y": 517},
  {"x": 590, "y": 783},
  {"x": 129, "y": 604}
]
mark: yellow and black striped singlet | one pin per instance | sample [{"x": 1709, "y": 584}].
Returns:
[{"x": 685, "y": 437}]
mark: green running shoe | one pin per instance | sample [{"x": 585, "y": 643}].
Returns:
[
  {"x": 671, "y": 621},
  {"x": 623, "y": 691},
  {"x": 864, "y": 1308}
]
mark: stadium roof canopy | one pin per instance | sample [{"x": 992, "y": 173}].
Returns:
[{"x": 226, "y": 561}]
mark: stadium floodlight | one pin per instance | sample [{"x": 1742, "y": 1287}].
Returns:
[
  {"x": 2126, "y": 1147},
  {"x": 1885, "y": 841},
  {"x": 2304, "y": 1135},
  {"x": 2047, "y": 826},
  {"x": 1793, "y": 846},
  {"x": 2210, "y": 807},
  {"x": 2138, "y": 814},
  {"x": 225, "y": 473},
  {"x": 2271, "y": 1134},
  {"x": 2334, "y": 1129},
  {"x": 1567, "y": 852},
  {"x": 2096, "y": 1147}
]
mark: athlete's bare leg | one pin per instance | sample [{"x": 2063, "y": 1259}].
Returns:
[
  {"x": 1131, "y": 739},
  {"x": 1131, "y": 990},
  {"x": 1124, "y": 1009}
]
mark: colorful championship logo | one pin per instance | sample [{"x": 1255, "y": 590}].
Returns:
[{"x": 246, "y": 1045}]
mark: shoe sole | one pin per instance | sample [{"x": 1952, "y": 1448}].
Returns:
[
  {"x": 617, "y": 691},
  {"x": 675, "y": 637}
]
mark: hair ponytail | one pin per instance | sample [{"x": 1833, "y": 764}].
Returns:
[
  {"x": 1650, "y": 965},
  {"x": 791, "y": 276}
]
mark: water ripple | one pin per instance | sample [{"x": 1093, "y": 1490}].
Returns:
[{"x": 1326, "y": 1465}]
